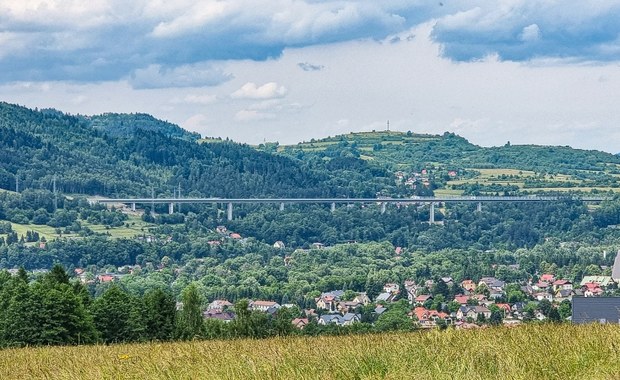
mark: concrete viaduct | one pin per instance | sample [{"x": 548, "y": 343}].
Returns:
[{"x": 432, "y": 201}]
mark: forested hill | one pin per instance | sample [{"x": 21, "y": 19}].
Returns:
[
  {"x": 36, "y": 146},
  {"x": 461, "y": 167},
  {"x": 131, "y": 154},
  {"x": 400, "y": 149},
  {"x": 126, "y": 125}
]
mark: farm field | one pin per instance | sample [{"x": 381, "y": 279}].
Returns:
[
  {"x": 517, "y": 178},
  {"x": 132, "y": 227},
  {"x": 526, "y": 352}
]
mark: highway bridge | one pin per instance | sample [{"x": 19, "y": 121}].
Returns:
[{"x": 432, "y": 201}]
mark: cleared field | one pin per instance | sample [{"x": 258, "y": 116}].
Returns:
[
  {"x": 447, "y": 192},
  {"x": 43, "y": 230},
  {"x": 527, "y": 352},
  {"x": 136, "y": 227},
  {"x": 584, "y": 189},
  {"x": 498, "y": 177}
]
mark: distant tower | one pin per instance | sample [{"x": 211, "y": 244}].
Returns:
[{"x": 388, "y": 125}]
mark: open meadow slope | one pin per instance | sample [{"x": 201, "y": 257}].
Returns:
[{"x": 527, "y": 352}]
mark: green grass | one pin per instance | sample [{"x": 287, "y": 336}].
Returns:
[
  {"x": 448, "y": 193},
  {"x": 44, "y": 231},
  {"x": 364, "y": 140},
  {"x": 138, "y": 228},
  {"x": 527, "y": 352},
  {"x": 492, "y": 176}
]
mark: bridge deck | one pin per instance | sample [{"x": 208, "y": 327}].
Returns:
[{"x": 347, "y": 200}]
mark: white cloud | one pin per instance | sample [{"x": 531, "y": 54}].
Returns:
[
  {"x": 198, "y": 15},
  {"x": 582, "y": 30},
  {"x": 253, "y": 91},
  {"x": 530, "y": 33}
]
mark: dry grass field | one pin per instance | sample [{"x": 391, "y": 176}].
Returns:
[{"x": 527, "y": 352}]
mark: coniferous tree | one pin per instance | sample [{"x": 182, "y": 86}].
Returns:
[
  {"x": 160, "y": 315},
  {"x": 117, "y": 316},
  {"x": 190, "y": 323}
]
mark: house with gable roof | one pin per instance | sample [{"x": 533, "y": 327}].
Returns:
[{"x": 329, "y": 300}]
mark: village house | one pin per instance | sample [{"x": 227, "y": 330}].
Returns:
[
  {"x": 339, "y": 320},
  {"x": 428, "y": 318},
  {"x": 547, "y": 277},
  {"x": 468, "y": 285},
  {"x": 540, "y": 286},
  {"x": 461, "y": 299},
  {"x": 505, "y": 308},
  {"x": 472, "y": 312},
  {"x": 391, "y": 288},
  {"x": 300, "y": 323},
  {"x": 279, "y": 245},
  {"x": 492, "y": 283},
  {"x": 264, "y": 305},
  {"x": 219, "y": 305},
  {"x": 527, "y": 289},
  {"x": 423, "y": 298},
  {"x": 106, "y": 277},
  {"x": 224, "y": 316},
  {"x": 563, "y": 294},
  {"x": 495, "y": 294},
  {"x": 362, "y": 298},
  {"x": 347, "y": 306},
  {"x": 562, "y": 285},
  {"x": 447, "y": 280},
  {"x": 543, "y": 296},
  {"x": 592, "y": 289},
  {"x": 329, "y": 301},
  {"x": 385, "y": 298},
  {"x": 379, "y": 310}
]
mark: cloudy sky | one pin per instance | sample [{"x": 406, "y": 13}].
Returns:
[{"x": 528, "y": 72}]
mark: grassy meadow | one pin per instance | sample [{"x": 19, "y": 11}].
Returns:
[
  {"x": 133, "y": 226},
  {"x": 526, "y": 352}
]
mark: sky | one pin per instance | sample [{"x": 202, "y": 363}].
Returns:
[{"x": 529, "y": 72}]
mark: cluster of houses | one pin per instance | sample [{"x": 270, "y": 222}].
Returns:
[
  {"x": 418, "y": 178},
  {"x": 475, "y": 303},
  {"x": 223, "y": 232}
]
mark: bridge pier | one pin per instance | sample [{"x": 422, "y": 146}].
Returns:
[
  {"x": 282, "y": 206},
  {"x": 230, "y": 211},
  {"x": 133, "y": 207},
  {"x": 333, "y": 207},
  {"x": 432, "y": 216},
  {"x": 171, "y": 208},
  {"x": 383, "y": 207},
  {"x": 479, "y": 208}
]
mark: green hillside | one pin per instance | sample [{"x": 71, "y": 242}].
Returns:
[
  {"x": 460, "y": 167},
  {"x": 82, "y": 156},
  {"x": 126, "y": 125}
]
